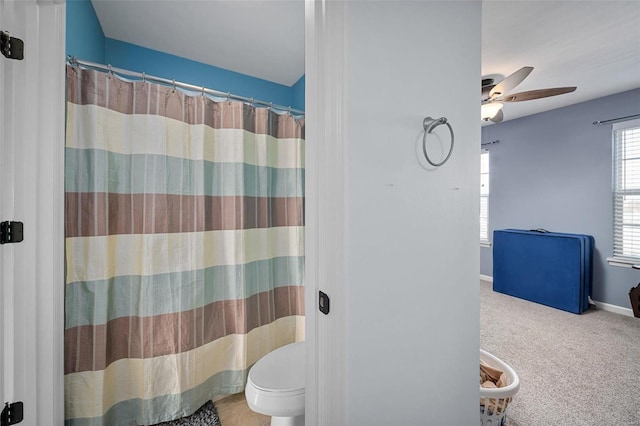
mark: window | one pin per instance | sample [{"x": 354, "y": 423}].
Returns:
[
  {"x": 484, "y": 196},
  {"x": 626, "y": 190}
]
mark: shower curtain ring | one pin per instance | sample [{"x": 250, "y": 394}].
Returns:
[
  {"x": 174, "y": 85},
  {"x": 110, "y": 71},
  {"x": 429, "y": 124}
]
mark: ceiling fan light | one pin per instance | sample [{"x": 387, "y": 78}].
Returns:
[{"x": 488, "y": 111}]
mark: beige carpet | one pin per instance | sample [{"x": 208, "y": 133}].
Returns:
[{"x": 574, "y": 369}]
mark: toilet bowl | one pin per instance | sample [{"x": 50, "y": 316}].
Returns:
[{"x": 275, "y": 386}]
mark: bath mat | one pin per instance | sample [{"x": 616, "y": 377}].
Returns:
[{"x": 207, "y": 415}]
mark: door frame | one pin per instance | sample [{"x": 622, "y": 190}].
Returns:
[
  {"x": 325, "y": 211},
  {"x": 326, "y": 383},
  {"x": 33, "y": 270}
]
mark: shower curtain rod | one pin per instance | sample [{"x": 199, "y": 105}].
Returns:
[
  {"x": 598, "y": 123},
  {"x": 72, "y": 60}
]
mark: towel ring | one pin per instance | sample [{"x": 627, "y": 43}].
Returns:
[{"x": 429, "y": 124}]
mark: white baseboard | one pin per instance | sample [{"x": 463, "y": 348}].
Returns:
[
  {"x": 486, "y": 278},
  {"x": 627, "y": 312}
]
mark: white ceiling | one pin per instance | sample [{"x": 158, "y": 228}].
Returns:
[
  {"x": 594, "y": 45},
  {"x": 260, "y": 38}
]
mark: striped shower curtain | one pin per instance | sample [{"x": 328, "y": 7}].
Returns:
[{"x": 184, "y": 247}]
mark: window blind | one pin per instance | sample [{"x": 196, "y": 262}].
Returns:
[
  {"x": 626, "y": 190},
  {"x": 484, "y": 196}
]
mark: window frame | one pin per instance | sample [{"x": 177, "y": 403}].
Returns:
[
  {"x": 484, "y": 239},
  {"x": 628, "y": 256}
]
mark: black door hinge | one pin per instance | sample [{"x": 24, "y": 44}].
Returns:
[
  {"x": 11, "y": 47},
  {"x": 11, "y": 232},
  {"x": 12, "y": 414}
]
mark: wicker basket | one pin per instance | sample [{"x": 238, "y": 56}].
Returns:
[{"x": 495, "y": 402}]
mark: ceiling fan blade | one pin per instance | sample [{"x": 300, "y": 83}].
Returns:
[
  {"x": 510, "y": 82},
  {"x": 537, "y": 94},
  {"x": 498, "y": 117}
]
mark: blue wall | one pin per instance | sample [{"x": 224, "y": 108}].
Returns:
[
  {"x": 136, "y": 58},
  {"x": 86, "y": 41},
  {"x": 298, "y": 94},
  {"x": 553, "y": 170}
]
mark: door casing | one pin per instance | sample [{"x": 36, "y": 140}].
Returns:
[{"x": 32, "y": 115}]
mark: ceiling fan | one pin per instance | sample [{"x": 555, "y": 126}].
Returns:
[{"x": 494, "y": 94}]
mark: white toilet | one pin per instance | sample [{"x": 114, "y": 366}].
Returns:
[{"x": 275, "y": 386}]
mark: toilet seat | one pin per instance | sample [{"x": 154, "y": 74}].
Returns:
[
  {"x": 281, "y": 370},
  {"x": 275, "y": 385}
]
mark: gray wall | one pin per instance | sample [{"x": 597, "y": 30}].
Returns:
[
  {"x": 553, "y": 170},
  {"x": 412, "y": 247}
]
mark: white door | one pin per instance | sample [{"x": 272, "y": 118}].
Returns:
[
  {"x": 32, "y": 192},
  {"x": 11, "y": 391}
]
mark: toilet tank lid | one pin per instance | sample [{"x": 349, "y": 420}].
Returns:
[{"x": 281, "y": 370}]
